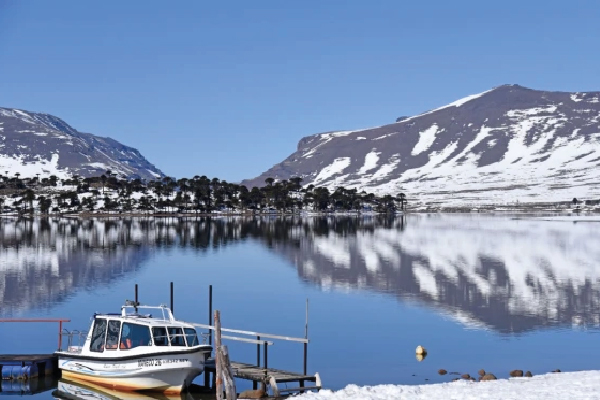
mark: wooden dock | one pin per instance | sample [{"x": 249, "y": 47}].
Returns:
[
  {"x": 24, "y": 367},
  {"x": 21, "y": 368},
  {"x": 270, "y": 376}
]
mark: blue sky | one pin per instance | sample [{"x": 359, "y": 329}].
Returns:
[{"x": 227, "y": 89}]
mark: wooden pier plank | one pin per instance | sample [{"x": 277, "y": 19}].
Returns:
[
  {"x": 26, "y": 357},
  {"x": 259, "y": 374}
]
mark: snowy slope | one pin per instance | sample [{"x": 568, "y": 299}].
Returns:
[
  {"x": 558, "y": 386},
  {"x": 34, "y": 143},
  {"x": 504, "y": 145}
]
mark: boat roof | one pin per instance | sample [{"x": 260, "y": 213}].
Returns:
[
  {"x": 145, "y": 319},
  {"x": 162, "y": 315}
]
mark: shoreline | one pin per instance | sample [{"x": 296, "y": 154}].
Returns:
[
  {"x": 505, "y": 212},
  {"x": 550, "y": 386}
]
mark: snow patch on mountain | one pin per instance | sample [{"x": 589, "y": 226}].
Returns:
[
  {"x": 336, "y": 167},
  {"x": 370, "y": 162},
  {"x": 386, "y": 169},
  {"x": 31, "y": 168},
  {"x": 426, "y": 139},
  {"x": 457, "y": 103},
  {"x": 464, "y": 100}
]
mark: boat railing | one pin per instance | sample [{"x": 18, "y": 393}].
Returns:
[
  {"x": 204, "y": 336},
  {"x": 167, "y": 315},
  {"x": 257, "y": 338},
  {"x": 60, "y": 322},
  {"x": 70, "y": 335}
]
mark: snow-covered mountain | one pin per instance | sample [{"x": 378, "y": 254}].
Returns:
[
  {"x": 33, "y": 143},
  {"x": 508, "y": 144}
]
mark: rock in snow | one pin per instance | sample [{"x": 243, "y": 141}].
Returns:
[
  {"x": 508, "y": 144},
  {"x": 33, "y": 143}
]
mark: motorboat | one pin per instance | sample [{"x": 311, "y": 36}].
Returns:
[{"x": 130, "y": 351}]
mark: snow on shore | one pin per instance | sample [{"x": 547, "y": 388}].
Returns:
[{"x": 570, "y": 385}]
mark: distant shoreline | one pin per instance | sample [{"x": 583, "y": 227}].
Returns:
[{"x": 458, "y": 210}]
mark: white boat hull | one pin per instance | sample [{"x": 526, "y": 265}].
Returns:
[{"x": 169, "y": 373}]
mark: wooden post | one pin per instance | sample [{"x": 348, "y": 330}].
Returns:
[
  {"x": 266, "y": 355},
  {"x": 266, "y": 363},
  {"x": 254, "y": 383},
  {"x": 306, "y": 337},
  {"x": 210, "y": 321},
  {"x": 210, "y": 313},
  {"x": 59, "y": 337},
  {"x": 258, "y": 352},
  {"x": 172, "y": 298},
  {"x": 230, "y": 389},
  {"x": 136, "y": 298},
  {"x": 219, "y": 361}
]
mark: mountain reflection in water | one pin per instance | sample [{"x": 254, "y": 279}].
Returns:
[{"x": 486, "y": 271}]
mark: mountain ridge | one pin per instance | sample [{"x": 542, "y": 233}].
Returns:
[
  {"x": 469, "y": 149},
  {"x": 35, "y": 143}
]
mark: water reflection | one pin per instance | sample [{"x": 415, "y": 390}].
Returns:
[
  {"x": 70, "y": 390},
  {"x": 30, "y": 386},
  {"x": 494, "y": 272}
]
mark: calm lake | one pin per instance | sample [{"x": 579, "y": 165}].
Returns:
[{"x": 477, "y": 291}]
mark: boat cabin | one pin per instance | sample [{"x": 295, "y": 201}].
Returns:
[{"x": 123, "y": 332}]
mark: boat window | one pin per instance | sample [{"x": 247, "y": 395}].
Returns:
[
  {"x": 112, "y": 336},
  {"x": 160, "y": 336},
  {"x": 134, "y": 335},
  {"x": 191, "y": 337},
  {"x": 176, "y": 335},
  {"x": 98, "y": 335}
]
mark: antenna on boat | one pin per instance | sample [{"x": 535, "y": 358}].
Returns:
[{"x": 131, "y": 303}]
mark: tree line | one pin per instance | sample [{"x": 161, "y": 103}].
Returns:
[{"x": 199, "y": 194}]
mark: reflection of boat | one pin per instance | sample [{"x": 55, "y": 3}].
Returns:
[
  {"x": 133, "y": 352},
  {"x": 71, "y": 390}
]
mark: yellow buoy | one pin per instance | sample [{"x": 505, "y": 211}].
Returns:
[{"x": 421, "y": 350}]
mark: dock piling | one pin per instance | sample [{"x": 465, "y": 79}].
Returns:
[
  {"x": 306, "y": 337},
  {"x": 210, "y": 313},
  {"x": 136, "y": 297},
  {"x": 230, "y": 388},
  {"x": 172, "y": 298},
  {"x": 254, "y": 383},
  {"x": 218, "y": 361},
  {"x": 210, "y": 320}
]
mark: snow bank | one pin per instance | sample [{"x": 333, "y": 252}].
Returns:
[{"x": 570, "y": 385}]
